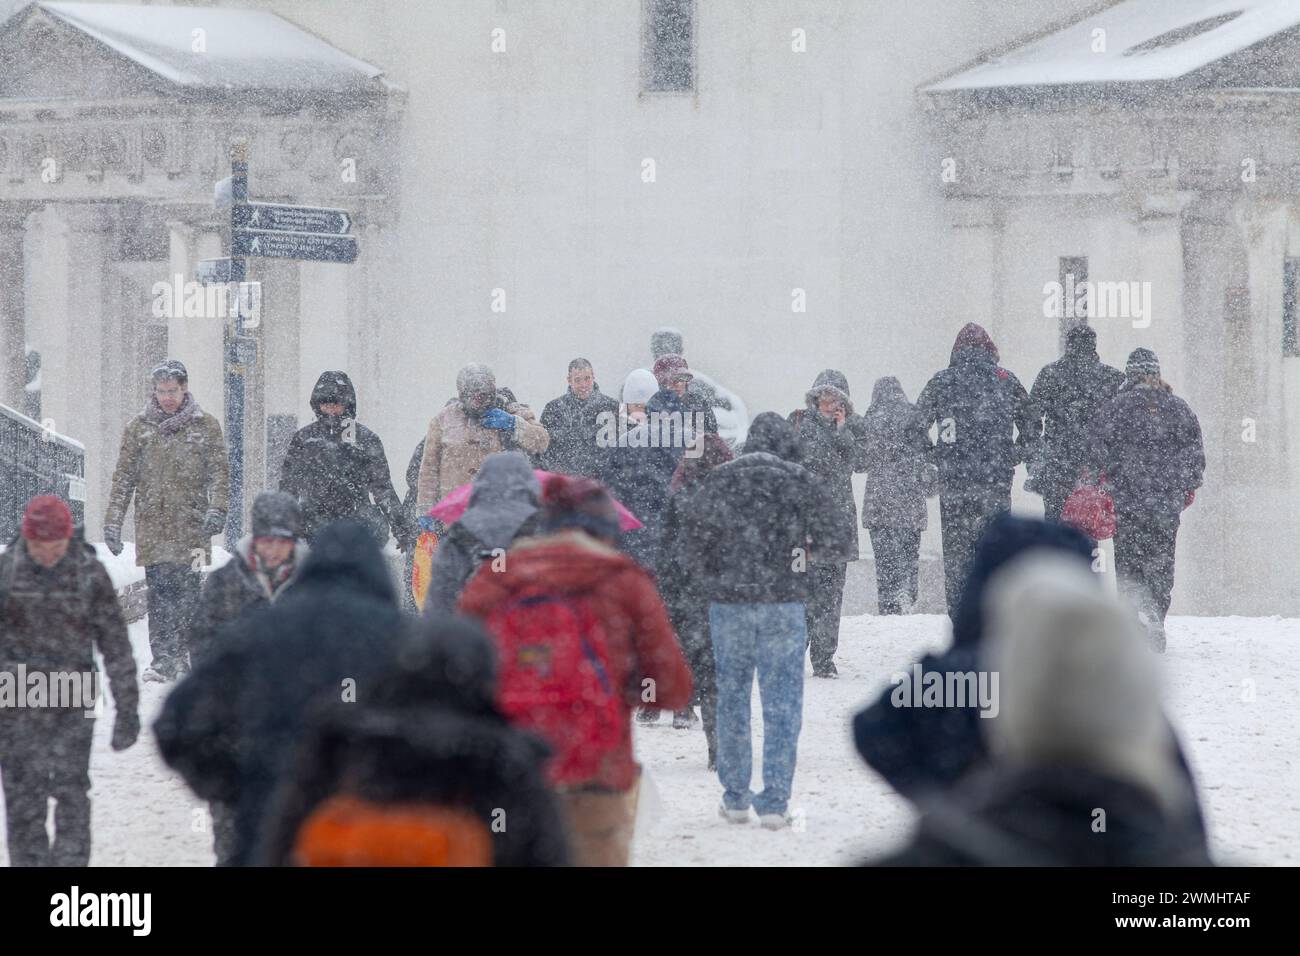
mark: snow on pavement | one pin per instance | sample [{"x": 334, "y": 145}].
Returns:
[{"x": 1231, "y": 694}]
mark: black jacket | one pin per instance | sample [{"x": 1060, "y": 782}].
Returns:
[
  {"x": 336, "y": 465},
  {"x": 1041, "y": 817},
  {"x": 1148, "y": 442},
  {"x": 54, "y": 619},
  {"x": 233, "y": 589},
  {"x": 753, "y": 525},
  {"x": 574, "y": 425},
  {"x": 987, "y": 424},
  {"x": 429, "y": 734},
  {"x": 231, "y": 726},
  {"x": 1068, "y": 393}
]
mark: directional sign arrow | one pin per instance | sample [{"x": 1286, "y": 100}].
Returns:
[
  {"x": 313, "y": 246},
  {"x": 278, "y": 218}
]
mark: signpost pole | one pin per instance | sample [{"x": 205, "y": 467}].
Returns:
[{"x": 235, "y": 372}]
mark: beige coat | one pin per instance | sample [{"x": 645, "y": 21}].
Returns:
[
  {"x": 455, "y": 447},
  {"x": 175, "y": 479}
]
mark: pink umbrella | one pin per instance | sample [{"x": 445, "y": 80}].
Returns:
[{"x": 450, "y": 508}]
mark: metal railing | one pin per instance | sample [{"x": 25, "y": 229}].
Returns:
[{"x": 36, "y": 460}]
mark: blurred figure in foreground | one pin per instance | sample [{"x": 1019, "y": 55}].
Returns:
[
  {"x": 1085, "y": 771},
  {"x": 424, "y": 772}
]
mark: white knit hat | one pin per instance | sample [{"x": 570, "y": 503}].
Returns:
[{"x": 639, "y": 387}]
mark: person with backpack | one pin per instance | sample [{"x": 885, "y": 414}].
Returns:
[
  {"x": 832, "y": 436},
  {"x": 262, "y": 568},
  {"x": 57, "y": 608},
  {"x": 986, "y": 426},
  {"x": 173, "y": 464},
  {"x": 502, "y": 506},
  {"x": 583, "y": 638},
  {"x": 1147, "y": 442},
  {"x": 1068, "y": 393},
  {"x": 900, "y": 476},
  {"x": 337, "y": 468},
  {"x": 753, "y": 527},
  {"x": 574, "y": 422}
]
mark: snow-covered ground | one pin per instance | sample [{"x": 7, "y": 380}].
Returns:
[{"x": 1232, "y": 694}]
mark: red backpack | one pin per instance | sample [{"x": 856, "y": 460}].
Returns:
[
  {"x": 555, "y": 681},
  {"x": 1090, "y": 509}
]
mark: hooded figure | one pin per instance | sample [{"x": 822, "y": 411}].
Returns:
[
  {"x": 420, "y": 771},
  {"x": 502, "y": 506},
  {"x": 1147, "y": 442},
  {"x": 1079, "y": 726},
  {"x": 923, "y": 751},
  {"x": 482, "y": 420},
  {"x": 899, "y": 477},
  {"x": 834, "y": 441},
  {"x": 1068, "y": 393},
  {"x": 986, "y": 426},
  {"x": 231, "y": 727},
  {"x": 725, "y": 411},
  {"x": 335, "y": 467}
]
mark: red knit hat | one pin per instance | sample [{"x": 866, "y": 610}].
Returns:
[{"x": 47, "y": 519}]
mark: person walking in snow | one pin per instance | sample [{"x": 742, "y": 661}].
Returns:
[
  {"x": 899, "y": 478},
  {"x": 686, "y": 596},
  {"x": 986, "y": 426},
  {"x": 57, "y": 608},
  {"x": 583, "y": 637},
  {"x": 752, "y": 526},
  {"x": 263, "y": 567},
  {"x": 173, "y": 463},
  {"x": 336, "y": 467},
  {"x": 724, "y": 411},
  {"x": 502, "y": 507},
  {"x": 832, "y": 436},
  {"x": 1068, "y": 393},
  {"x": 1147, "y": 442},
  {"x": 574, "y": 422},
  {"x": 477, "y": 424}
]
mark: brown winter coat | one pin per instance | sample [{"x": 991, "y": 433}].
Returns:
[
  {"x": 456, "y": 445},
  {"x": 175, "y": 480}
]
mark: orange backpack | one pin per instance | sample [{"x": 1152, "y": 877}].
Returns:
[{"x": 349, "y": 831}]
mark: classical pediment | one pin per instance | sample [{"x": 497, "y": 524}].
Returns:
[
  {"x": 1146, "y": 47},
  {"x": 57, "y": 51}
]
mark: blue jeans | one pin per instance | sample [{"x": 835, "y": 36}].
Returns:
[{"x": 769, "y": 639}]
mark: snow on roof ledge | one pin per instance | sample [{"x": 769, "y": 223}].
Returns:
[
  {"x": 218, "y": 47},
  {"x": 1189, "y": 35}
]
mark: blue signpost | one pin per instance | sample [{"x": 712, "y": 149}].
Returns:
[{"x": 268, "y": 230}]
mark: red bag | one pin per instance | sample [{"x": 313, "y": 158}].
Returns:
[
  {"x": 1090, "y": 509},
  {"x": 555, "y": 681}
]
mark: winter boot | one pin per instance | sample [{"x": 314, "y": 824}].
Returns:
[
  {"x": 685, "y": 719},
  {"x": 647, "y": 715},
  {"x": 775, "y": 821},
  {"x": 733, "y": 816}
]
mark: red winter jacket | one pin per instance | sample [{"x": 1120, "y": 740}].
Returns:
[{"x": 641, "y": 640}]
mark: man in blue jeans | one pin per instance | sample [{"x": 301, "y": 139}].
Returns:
[{"x": 756, "y": 520}]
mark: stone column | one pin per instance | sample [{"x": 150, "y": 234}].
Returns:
[{"x": 13, "y": 335}]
